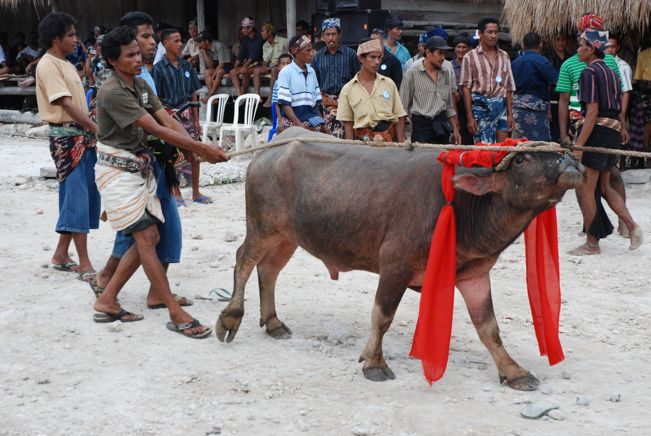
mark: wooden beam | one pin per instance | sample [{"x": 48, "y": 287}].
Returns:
[
  {"x": 201, "y": 15},
  {"x": 291, "y": 18}
]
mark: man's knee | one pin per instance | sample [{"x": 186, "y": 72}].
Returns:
[{"x": 148, "y": 237}]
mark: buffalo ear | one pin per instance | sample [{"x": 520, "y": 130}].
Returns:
[{"x": 478, "y": 185}]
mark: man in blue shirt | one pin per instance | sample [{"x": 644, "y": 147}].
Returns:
[
  {"x": 299, "y": 95},
  {"x": 392, "y": 43},
  {"x": 335, "y": 65},
  {"x": 534, "y": 77},
  {"x": 390, "y": 66}
]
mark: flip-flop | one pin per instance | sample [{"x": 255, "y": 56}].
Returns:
[
  {"x": 107, "y": 317},
  {"x": 178, "y": 299},
  {"x": 204, "y": 199},
  {"x": 97, "y": 289},
  {"x": 179, "y": 328},
  {"x": 66, "y": 267},
  {"x": 87, "y": 276},
  {"x": 221, "y": 294},
  {"x": 180, "y": 202}
]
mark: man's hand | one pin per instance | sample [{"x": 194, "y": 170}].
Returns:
[
  {"x": 197, "y": 128},
  {"x": 456, "y": 137},
  {"x": 626, "y": 137},
  {"x": 511, "y": 122},
  {"x": 472, "y": 125},
  {"x": 213, "y": 153}
]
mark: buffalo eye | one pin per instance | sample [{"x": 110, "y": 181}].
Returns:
[{"x": 519, "y": 159}]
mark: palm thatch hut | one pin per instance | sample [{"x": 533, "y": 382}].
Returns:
[{"x": 552, "y": 17}]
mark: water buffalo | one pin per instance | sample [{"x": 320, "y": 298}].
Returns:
[{"x": 365, "y": 208}]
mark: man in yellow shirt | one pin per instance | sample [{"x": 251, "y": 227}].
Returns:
[{"x": 369, "y": 105}]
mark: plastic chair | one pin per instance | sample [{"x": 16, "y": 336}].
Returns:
[
  {"x": 250, "y": 102},
  {"x": 210, "y": 125},
  {"x": 274, "y": 122}
]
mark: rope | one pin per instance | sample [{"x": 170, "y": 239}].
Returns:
[{"x": 531, "y": 146}]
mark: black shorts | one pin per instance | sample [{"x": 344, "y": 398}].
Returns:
[{"x": 606, "y": 138}]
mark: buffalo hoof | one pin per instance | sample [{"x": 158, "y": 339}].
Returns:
[
  {"x": 282, "y": 332},
  {"x": 379, "y": 374},
  {"x": 226, "y": 327},
  {"x": 527, "y": 382}
]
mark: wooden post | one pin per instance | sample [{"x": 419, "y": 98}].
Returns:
[
  {"x": 201, "y": 15},
  {"x": 291, "y": 18}
]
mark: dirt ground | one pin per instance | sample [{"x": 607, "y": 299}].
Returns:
[{"x": 63, "y": 374}]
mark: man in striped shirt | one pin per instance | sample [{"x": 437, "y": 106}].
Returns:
[
  {"x": 335, "y": 65},
  {"x": 488, "y": 86},
  {"x": 299, "y": 95}
]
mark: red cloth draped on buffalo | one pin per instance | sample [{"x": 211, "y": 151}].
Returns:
[{"x": 434, "y": 327}]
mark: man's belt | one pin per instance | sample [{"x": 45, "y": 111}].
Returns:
[
  {"x": 142, "y": 166},
  {"x": 610, "y": 123}
]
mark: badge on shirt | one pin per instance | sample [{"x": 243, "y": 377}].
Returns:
[
  {"x": 383, "y": 67},
  {"x": 386, "y": 95},
  {"x": 498, "y": 79},
  {"x": 187, "y": 75},
  {"x": 145, "y": 97}
]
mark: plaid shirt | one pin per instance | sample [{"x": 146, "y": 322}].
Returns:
[{"x": 175, "y": 86}]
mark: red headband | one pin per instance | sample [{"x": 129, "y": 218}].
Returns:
[{"x": 434, "y": 327}]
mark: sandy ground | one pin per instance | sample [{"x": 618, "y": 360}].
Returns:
[{"x": 60, "y": 373}]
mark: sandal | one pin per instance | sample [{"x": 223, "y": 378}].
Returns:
[
  {"x": 178, "y": 299},
  {"x": 87, "y": 276},
  {"x": 204, "y": 199},
  {"x": 180, "y": 328},
  {"x": 180, "y": 202},
  {"x": 66, "y": 267},
  {"x": 107, "y": 317}
]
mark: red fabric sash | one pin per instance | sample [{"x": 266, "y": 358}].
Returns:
[{"x": 431, "y": 342}]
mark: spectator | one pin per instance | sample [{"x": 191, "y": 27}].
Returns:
[
  {"x": 625, "y": 73},
  {"x": 461, "y": 47},
  {"x": 534, "y": 76},
  {"x": 557, "y": 56},
  {"x": 249, "y": 56},
  {"x": 392, "y": 40},
  {"x": 62, "y": 104},
  {"x": 447, "y": 65},
  {"x": 272, "y": 48},
  {"x": 640, "y": 119},
  {"x": 177, "y": 84},
  {"x": 127, "y": 110},
  {"x": 28, "y": 54},
  {"x": 191, "y": 49},
  {"x": 298, "y": 89},
  {"x": 94, "y": 34},
  {"x": 488, "y": 86},
  {"x": 98, "y": 69},
  {"x": 370, "y": 105},
  {"x": 303, "y": 28},
  {"x": 600, "y": 97},
  {"x": 390, "y": 65},
  {"x": 427, "y": 95},
  {"x": 335, "y": 65},
  {"x": 422, "y": 38},
  {"x": 283, "y": 60},
  {"x": 216, "y": 58}
]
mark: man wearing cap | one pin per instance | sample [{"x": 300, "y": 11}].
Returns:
[
  {"x": 249, "y": 56},
  {"x": 427, "y": 95},
  {"x": 299, "y": 96},
  {"x": 488, "y": 86},
  {"x": 447, "y": 65},
  {"x": 369, "y": 105},
  {"x": 390, "y": 65},
  {"x": 394, "y": 34},
  {"x": 272, "y": 48},
  {"x": 335, "y": 65}
]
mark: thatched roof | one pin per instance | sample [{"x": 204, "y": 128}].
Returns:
[
  {"x": 551, "y": 17},
  {"x": 13, "y": 4}
]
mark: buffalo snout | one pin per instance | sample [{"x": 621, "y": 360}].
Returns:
[{"x": 571, "y": 172}]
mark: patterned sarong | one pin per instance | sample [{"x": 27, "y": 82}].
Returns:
[
  {"x": 330, "y": 104},
  {"x": 125, "y": 194},
  {"x": 639, "y": 113},
  {"x": 490, "y": 115},
  {"x": 68, "y": 142},
  {"x": 531, "y": 117},
  {"x": 366, "y": 134}
]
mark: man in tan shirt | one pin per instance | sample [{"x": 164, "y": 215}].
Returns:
[
  {"x": 369, "y": 105},
  {"x": 62, "y": 104}
]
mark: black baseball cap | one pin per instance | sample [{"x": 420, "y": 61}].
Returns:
[{"x": 436, "y": 42}]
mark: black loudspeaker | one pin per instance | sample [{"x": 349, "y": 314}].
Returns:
[
  {"x": 326, "y": 5},
  {"x": 355, "y": 26},
  {"x": 342, "y": 5}
]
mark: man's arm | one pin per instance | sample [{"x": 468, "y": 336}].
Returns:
[
  {"x": 400, "y": 129},
  {"x": 77, "y": 115},
  {"x": 289, "y": 112},
  {"x": 623, "y": 118},
  {"x": 348, "y": 130},
  {"x": 456, "y": 136},
  {"x": 509, "y": 110},
  {"x": 563, "y": 114},
  {"x": 467, "y": 99}
]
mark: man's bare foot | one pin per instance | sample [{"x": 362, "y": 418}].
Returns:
[
  {"x": 586, "y": 249},
  {"x": 623, "y": 230},
  {"x": 267, "y": 102},
  {"x": 636, "y": 238}
]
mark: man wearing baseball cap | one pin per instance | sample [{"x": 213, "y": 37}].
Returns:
[{"x": 426, "y": 93}]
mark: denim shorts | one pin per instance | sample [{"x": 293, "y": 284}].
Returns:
[
  {"x": 169, "y": 246},
  {"x": 79, "y": 200}
]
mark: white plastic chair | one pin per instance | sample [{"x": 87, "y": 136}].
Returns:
[
  {"x": 213, "y": 126},
  {"x": 250, "y": 102}
]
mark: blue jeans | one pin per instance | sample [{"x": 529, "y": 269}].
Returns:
[
  {"x": 79, "y": 200},
  {"x": 169, "y": 246}
]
